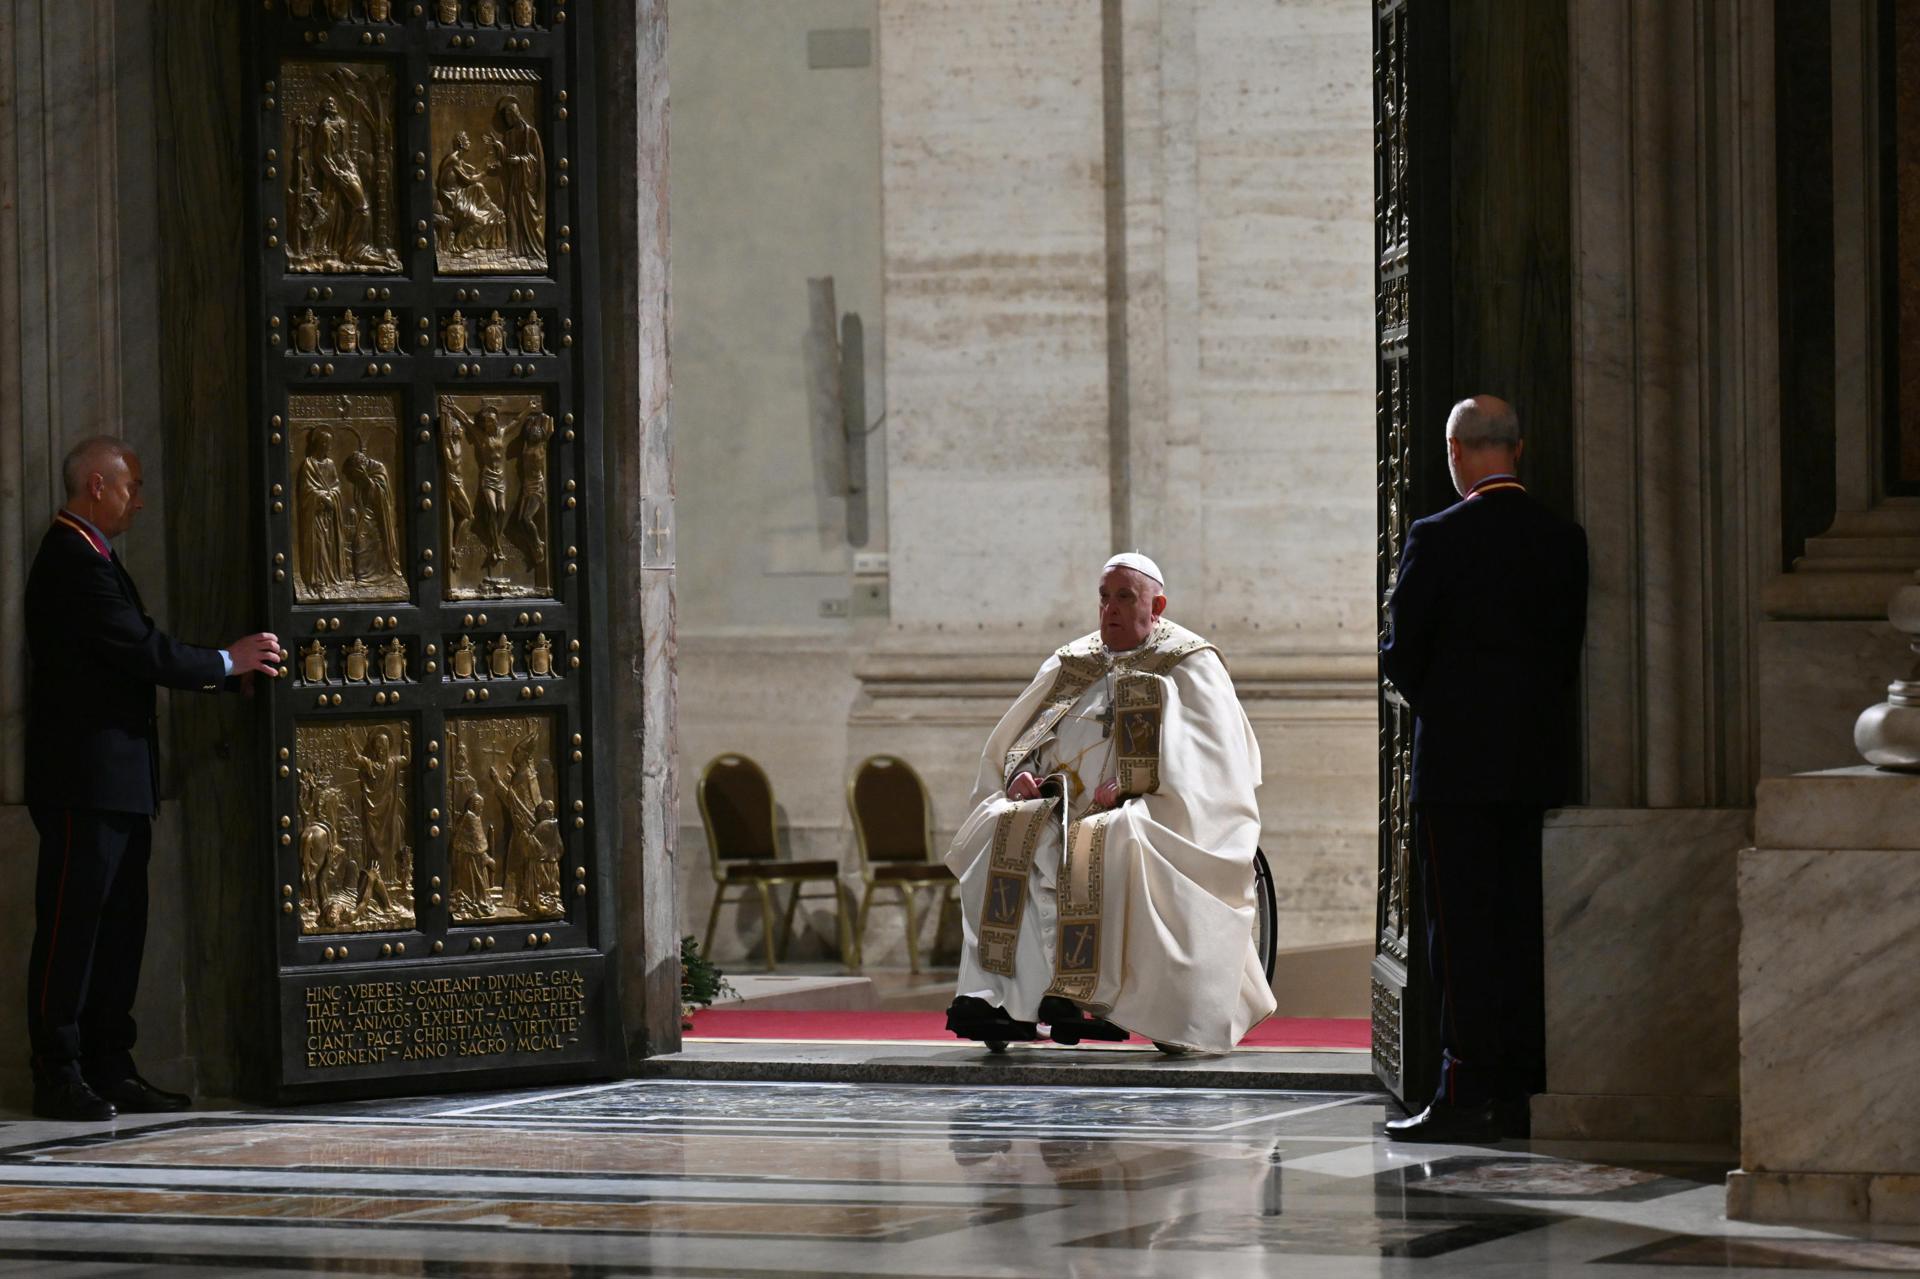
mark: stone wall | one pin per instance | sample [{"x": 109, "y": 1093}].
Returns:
[{"x": 1125, "y": 255}]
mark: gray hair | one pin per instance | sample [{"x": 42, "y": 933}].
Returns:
[
  {"x": 88, "y": 456},
  {"x": 1477, "y": 426}
]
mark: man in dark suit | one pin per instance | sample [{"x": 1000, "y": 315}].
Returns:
[
  {"x": 1488, "y": 616},
  {"x": 93, "y": 785}
]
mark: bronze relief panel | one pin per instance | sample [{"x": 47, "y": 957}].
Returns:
[
  {"x": 493, "y": 460},
  {"x": 504, "y": 847},
  {"x": 348, "y": 539},
  {"x": 490, "y": 171},
  {"x": 355, "y": 835},
  {"x": 342, "y": 204}
]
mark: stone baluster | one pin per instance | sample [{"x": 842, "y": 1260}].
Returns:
[{"x": 1888, "y": 735}]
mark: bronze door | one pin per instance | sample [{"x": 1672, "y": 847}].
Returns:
[
  {"x": 1411, "y": 222},
  {"x": 427, "y": 446}
]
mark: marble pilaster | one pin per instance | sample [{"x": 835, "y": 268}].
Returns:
[
  {"x": 1641, "y": 936},
  {"x": 1829, "y": 976},
  {"x": 640, "y": 673}
]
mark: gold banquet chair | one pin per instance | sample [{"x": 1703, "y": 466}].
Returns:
[
  {"x": 743, "y": 849},
  {"x": 893, "y": 825}
]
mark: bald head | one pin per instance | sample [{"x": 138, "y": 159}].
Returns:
[
  {"x": 1483, "y": 439},
  {"x": 96, "y": 455},
  {"x": 103, "y": 480}
]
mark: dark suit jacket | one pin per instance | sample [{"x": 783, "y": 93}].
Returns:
[
  {"x": 94, "y": 658},
  {"x": 1487, "y": 620}
]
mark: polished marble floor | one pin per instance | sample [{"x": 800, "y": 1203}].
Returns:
[{"x": 709, "y": 1179}]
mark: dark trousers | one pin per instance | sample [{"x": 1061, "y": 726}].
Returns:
[
  {"x": 90, "y": 927},
  {"x": 1480, "y": 867}
]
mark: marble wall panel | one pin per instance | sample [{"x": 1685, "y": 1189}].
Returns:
[
  {"x": 993, "y": 190},
  {"x": 1829, "y": 976},
  {"x": 1641, "y": 937}
]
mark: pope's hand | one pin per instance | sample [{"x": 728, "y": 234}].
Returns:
[
  {"x": 1024, "y": 786},
  {"x": 1107, "y": 794},
  {"x": 256, "y": 653}
]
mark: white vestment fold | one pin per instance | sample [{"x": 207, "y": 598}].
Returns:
[{"x": 1144, "y": 913}]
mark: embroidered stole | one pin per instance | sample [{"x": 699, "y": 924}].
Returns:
[{"x": 1139, "y": 704}]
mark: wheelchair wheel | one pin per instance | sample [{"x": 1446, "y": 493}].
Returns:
[
  {"x": 996, "y": 1045},
  {"x": 1266, "y": 924}
]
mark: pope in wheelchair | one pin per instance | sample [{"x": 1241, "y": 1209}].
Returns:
[{"x": 1107, "y": 866}]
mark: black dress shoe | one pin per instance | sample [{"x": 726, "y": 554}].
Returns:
[
  {"x": 1067, "y": 1023},
  {"x": 135, "y": 1096},
  {"x": 1442, "y": 1122},
  {"x": 70, "y": 1099},
  {"x": 970, "y": 1017}
]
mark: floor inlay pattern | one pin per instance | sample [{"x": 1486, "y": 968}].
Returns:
[{"x": 705, "y": 1180}]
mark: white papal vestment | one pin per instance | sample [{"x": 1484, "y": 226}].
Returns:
[{"x": 1143, "y": 913}]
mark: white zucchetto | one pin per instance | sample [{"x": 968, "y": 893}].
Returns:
[{"x": 1139, "y": 564}]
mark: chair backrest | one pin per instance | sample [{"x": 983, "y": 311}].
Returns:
[
  {"x": 736, "y": 807},
  {"x": 892, "y": 819}
]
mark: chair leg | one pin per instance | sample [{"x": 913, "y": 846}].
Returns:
[
  {"x": 850, "y": 955},
  {"x": 786, "y": 924},
  {"x": 913, "y": 929},
  {"x": 766, "y": 923},
  {"x": 713, "y": 918},
  {"x": 866, "y": 905}
]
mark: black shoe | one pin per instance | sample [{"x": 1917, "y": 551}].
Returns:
[
  {"x": 135, "y": 1096},
  {"x": 972, "y": 1018},
  {"x": 67, "y": 1097},
  {"x": 1067, "y": 1023},
  {"x": 1441, "y": 1122}
]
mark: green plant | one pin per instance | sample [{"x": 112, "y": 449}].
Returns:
[{"x": 700, "y": 981}]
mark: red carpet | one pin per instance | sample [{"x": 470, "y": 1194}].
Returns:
[{"x": 931, "y": 1027}]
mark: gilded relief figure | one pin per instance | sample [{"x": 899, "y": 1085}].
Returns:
[
  {"x": 465, "y": 216},
  {"x": 486, "y": 12},
  {"x": 531, "y": 512},
  {"x": 462, "y": 654},
  {"x": 306, "y": 332},
  {"x": 341, "y": 205},
  {"x": 300, "y": 8},
  {"x": 540, "y": 656},
  {"x": 340, "y": 10},
  {"x": 379, "y": 10},
  {"x": 346, "y": 518},
  {"x": 473, "y": 869},
  {"x": 322, "y": 855},
  {"x": 494, "y": 449},
  {"x": 346, "y": 333},
  {"x": 383, "y": 807},
  {"x": 490, "y": 174},
  {"x": 509, "y": 867},
  {"x": 456, "y": 333},
  {"x": 521, "y": 799},
  {"x": 522, "y": 162},
  {"x": 524, "y": 13},
  {"x": 500, "y": 659},
  {"x": 447, "y": 12},
  {"x": 354, "y": 848},
  {"x": 533, "y": 334},
  {"x": 376, "y": 545},
  {"x": 317, "y": 496},
  {"x": 386, "y": 334},
  {"x": 493, "y": 338}
]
